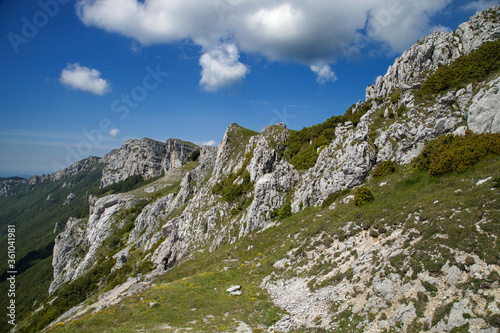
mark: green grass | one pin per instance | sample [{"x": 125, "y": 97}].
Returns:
[
  {"x": 190, "y": 285},
  {"x": 238, "y": 139},
  {"x": 126, "y": 185}
]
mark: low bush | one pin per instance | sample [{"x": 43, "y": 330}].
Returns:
[
  {"x": 228, "y": 189},
  {"x": 363, "y": 195},
  {"x": 284, "y": 212},
  {"x": 194, "y": 156},
  {"x": 450, "y": 153},
  {"x": 494, "y": 320},
  {"x": 496, "y": 182},
  {"x": 441, "y": 312},
  {"x": 396, "y": 95},
  {"x": 384, "y": 168}
]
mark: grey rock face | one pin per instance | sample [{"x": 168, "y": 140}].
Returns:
[
  {"x": 484, "y": 112},
  {"x": 66, "y": 244},
  {"x": 75, "y": 248},
  {"x": 343, "y": 164},
  {"x": 69, "y": 199},
  {"x": 434, "y": 51},
  {"x": 146, "y": 157},
  {"x": 272, "y": 178}
]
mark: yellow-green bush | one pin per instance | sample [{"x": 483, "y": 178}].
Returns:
[
  {"x": 363, "y": 195},
  {"x": 450, "y": 153},
  {"x": 396, "y": 95},
  {"x": 384, "y": 168}
]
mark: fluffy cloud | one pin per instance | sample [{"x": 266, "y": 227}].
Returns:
[
  {"x": 479, "y": 5},
  {"x": 114, "y": 133},
  {"x": 401, "y": 24},
  {"x": 209, "y": 143},
  {"x": 324, "y": 74},
  {"x": 221, "y": 67},
  {"x": 306, "y": 32},
  {"x": 83, "y": 78}
]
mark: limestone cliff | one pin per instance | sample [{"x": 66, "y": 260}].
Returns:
[
  {"x": 146, "y": 157},
  {"x": 244, "y": 184}
]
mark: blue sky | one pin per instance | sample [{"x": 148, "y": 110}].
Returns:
[{"x": 78, "y": 78}]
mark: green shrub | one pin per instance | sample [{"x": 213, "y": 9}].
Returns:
[
  {"x": 462, "y": 329},
  {"x": 396, "y": 95},
  {"x": 384, "y": 168},
  {"x": 429, "y": 287},
  {"x": 231, "y": 191},
  {"x": 284, "y": 212},
  {"x": 305, "y": 159},
  {"x": 363, "y": 195},
  {"x": 194, "y": 155},
  {"x": 450, "y": 153},
  {"x": 401, "y": 110},
  {"x": 494, "y": 320},
  {"x": 420, "y": 304},
  {"x": 477, "y": 65},
  {"x": 496, "y": 182},
  {"x": 302, "y": 146},
  {"x": 441, "y": 312}
]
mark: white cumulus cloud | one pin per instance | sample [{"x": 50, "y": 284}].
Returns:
[
  {"x": 209, "y": 143},
  {"x": 114, "y": 133},
  {"x": 83, "y": 78},
  {"x": 324, "y": 74},
  {"x": 221, "y": 67},
  {"x": 306, "y": 32}
]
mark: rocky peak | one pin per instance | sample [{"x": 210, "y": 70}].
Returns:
[
  {"x": 436, "y": 50},
  {"x": 146, "y": 157},
  {"x": 6, "y": 184}
]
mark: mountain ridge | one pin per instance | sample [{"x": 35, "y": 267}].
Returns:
[{"x": 231, "y": 194}]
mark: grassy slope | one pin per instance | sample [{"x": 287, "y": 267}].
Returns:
[
  {"x": 35, "y": 218},
  {"x": 159, "y": 187},
  {"x": 193, "y": 293}
]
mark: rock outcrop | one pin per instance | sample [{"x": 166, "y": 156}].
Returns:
[
  {"x": 7, "y": 183},
  {"x": 75, "y": 248},
  {"x": 436, "y": 50},
  {"x": 146, "y": 157},
  {"x": 241, "y": 186},
  {"x": 88, "y": 164}
]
